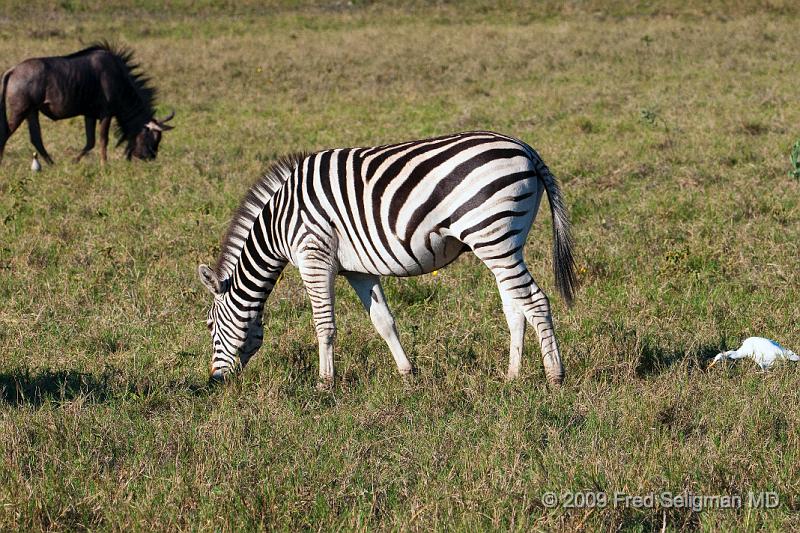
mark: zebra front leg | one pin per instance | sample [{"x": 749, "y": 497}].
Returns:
[
  {"x": 318, "y": 275},
  {"x": 369, "y": 290}
]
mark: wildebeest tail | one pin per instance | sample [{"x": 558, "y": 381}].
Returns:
[
  {"x": 563, "y": 259},
  {"x": 3, "y": 120}
]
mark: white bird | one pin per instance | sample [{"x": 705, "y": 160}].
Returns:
[
  {"x": 763, "y": 351},
  {"x": 35, "y": 165}
]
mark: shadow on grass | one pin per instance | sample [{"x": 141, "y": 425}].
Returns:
[
  {"x": 655, "y": 360},
  {"x": 23, "y": 388}
]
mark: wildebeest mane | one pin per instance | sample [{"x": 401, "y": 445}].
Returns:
[
  {"x": 254, "y": 201},
  {"x": 138, "y": 97}
]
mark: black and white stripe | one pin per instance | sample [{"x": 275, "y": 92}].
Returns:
[{"x": 394, "y": 210}]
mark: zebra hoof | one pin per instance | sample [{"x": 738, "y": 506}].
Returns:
[
  {"x": 554, "y": 370},
  {"x": 325, "y": 385},
  {"x": 408, "y": 378}
]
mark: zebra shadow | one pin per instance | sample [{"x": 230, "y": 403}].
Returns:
[{"x": 22, "y": 387}]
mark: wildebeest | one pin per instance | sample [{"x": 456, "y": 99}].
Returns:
[{"x": 100, "y": 82}]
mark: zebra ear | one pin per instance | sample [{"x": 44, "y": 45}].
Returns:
[{"x": 209, "y": 279}]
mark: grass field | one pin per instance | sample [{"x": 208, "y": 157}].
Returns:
[{"x": 670, "y": 128}]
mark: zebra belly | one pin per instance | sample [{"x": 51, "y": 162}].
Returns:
[
  {"x": 443, "y": 250},
  {"x": 434, "y": 245}
]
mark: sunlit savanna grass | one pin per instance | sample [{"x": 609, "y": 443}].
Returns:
[{"x": 670, "y": 129}]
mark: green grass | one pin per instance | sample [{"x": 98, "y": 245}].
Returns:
[{"x": 669, "y": 126}]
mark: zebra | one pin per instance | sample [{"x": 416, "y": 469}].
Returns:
[{"x": 393, "y": 210}]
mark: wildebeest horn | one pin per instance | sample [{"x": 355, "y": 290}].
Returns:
[{"x": 169, "y": 117}]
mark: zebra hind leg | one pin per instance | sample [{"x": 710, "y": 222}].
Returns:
[
  {"x": 516, "y": 326},
  {"x": 520, "y": 294},
  {"x": 369, "y": 290}
]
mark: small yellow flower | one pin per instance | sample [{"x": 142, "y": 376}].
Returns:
[{"x": 435, "y": 273}]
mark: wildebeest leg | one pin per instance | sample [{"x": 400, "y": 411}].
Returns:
[
  {"x": 91, "y": 124},
  {"x": 36, "y": 136},
  {"x": 4, "y": 135},
  {"x": 104, "y": 125},
  {"x": 14, "y": 120}
]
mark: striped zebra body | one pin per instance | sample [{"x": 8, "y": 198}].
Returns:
[{"x": 396, "y": 210}]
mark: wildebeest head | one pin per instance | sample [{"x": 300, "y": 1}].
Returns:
[{"x": 144, "y": 145}]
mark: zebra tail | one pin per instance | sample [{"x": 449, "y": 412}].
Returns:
[{"x": 563, "y": 258}]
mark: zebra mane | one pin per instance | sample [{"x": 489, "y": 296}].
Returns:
[{"x": 253, "y": 203}]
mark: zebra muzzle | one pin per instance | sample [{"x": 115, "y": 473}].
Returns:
[
  {"x": 225, "y": 373},
  {"x": 218, "y": 375}
]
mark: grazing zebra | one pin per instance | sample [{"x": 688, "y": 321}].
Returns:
[{"x": 395, "y": 210}]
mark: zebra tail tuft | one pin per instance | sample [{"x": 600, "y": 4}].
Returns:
[{"x": 563, "y": 256}]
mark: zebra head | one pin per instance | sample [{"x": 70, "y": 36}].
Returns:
[{"x": 234, "y": 341}]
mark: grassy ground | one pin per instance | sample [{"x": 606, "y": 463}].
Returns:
[{"x": 670, "y": 128}]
